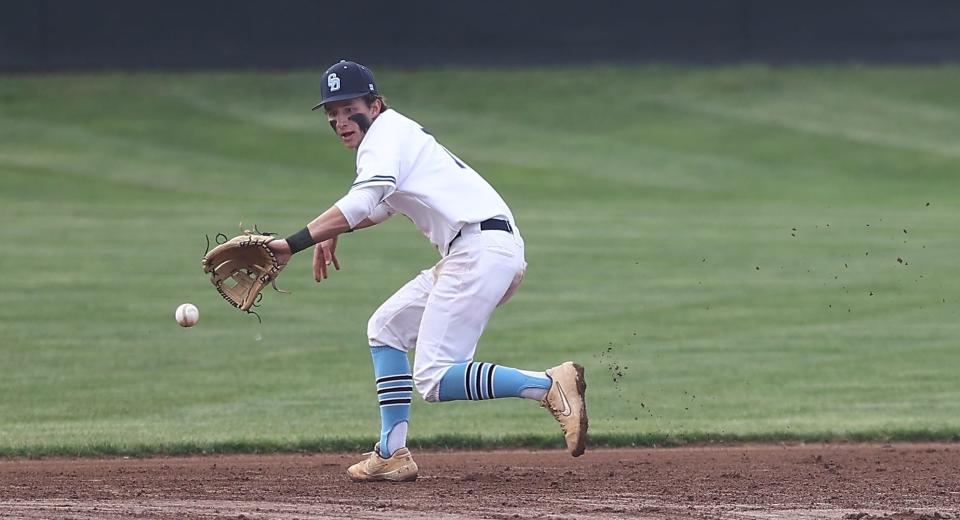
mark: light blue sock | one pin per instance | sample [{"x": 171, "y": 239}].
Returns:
[
  {"x": 394, "y": 391},
  {"x": 474, "y": 381}
]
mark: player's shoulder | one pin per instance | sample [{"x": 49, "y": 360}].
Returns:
[
  {"x": 389, "y": 127},
  {"x": 394, "y": 120}
]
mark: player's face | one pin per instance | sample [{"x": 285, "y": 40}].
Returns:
[{"x": 339, "y": 114}]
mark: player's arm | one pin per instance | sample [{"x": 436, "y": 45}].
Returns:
[
  {"x": 365, "y": 223},
  {"x": 328, "y": 225},
  {"x": 357, "y": 209},
  {"x": 325, "y": 253}
]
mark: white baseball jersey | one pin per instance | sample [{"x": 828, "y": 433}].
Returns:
[{"x": 424, "y": 181}]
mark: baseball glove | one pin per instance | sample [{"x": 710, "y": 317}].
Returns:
[{"x": 242, "y": 267}]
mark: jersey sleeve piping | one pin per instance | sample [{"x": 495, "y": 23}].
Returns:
[{"x": 380, "y": 179}]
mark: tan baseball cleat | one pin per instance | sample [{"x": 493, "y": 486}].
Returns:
[
  {"x": 400, "y": 467},
  {"x": 566, "y": 401}
]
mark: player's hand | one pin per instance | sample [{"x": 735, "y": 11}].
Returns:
[
  {"x": 281, "y": 249},
  {"x": 324, "y": 254}
]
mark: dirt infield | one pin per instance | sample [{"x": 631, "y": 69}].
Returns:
[{"x": 857, "y": 482}]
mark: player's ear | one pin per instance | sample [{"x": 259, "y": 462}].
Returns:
[{"x": 377, "y": 107}]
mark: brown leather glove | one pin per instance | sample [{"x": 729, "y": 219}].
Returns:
[{"x": 242, "y": 267}]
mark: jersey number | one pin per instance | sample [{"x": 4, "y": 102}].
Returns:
[{"x": 454, "y": 157}]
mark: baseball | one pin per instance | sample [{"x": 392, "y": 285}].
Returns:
[{"x": 187, "y": 315}]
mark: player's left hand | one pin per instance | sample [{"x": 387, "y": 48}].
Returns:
[{"x": 324, "y": 254}]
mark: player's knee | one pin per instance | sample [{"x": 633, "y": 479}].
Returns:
[
  {"x": 378, "y": 332},
  {"x": 373, "y": 325},
  {"x": 427, "y": 381},
  {"x": 429, "y": 389},
  {"x": 387, "y": 327}
]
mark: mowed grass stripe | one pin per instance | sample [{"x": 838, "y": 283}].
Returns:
[{"x": 735, "y": 254}]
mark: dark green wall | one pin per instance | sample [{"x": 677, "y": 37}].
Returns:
[{"x": 186, "y": 34}]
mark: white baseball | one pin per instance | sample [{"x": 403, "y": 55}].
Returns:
[{"x": 187, "y": 315}]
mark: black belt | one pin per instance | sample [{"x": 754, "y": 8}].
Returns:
[{"x": 487, "y": 225}]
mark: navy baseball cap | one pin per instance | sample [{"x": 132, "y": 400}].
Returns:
[{"x": 346, "y": 80}]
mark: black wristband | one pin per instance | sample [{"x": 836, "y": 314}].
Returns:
[{"x": 300, "y": 241}]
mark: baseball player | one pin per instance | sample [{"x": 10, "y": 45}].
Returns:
[{"x": 441, "y": 313}]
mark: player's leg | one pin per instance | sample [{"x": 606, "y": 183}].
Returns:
[
  {"x": 392, "y": 332},
  {"x": 559, "y": 389},
  {"x": 465, "y": 379},
  {"x": 471, "y": 282},
  {"x": 474, "y": 381},
  {"x": 394, "y": 391}
]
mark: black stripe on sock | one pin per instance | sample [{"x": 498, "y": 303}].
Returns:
[
  {"x": 402, "y": 377},
  {"x": 490, "y": 381},
  {"x": 395, "y": 389},
  {"x": 466, "y": 380},
  {"x": 486, "y": 375},
  {"x": 395, "y": 401},
  {"x": 477, "y": 377}
]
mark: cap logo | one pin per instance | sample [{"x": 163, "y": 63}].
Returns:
[{"x": 333, "y": 82}]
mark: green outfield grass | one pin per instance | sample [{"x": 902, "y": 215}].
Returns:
[{"x": 734, "y": 253}]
